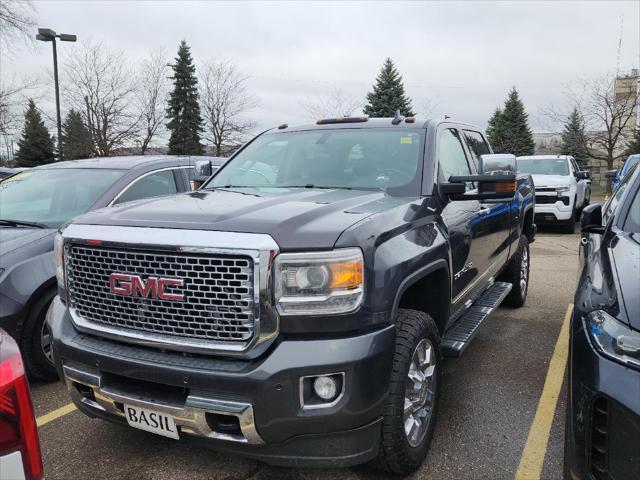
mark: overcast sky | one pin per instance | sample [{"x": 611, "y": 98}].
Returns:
[{"x": 462, "y": 57}]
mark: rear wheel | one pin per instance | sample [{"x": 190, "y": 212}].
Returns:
[
  {"x": 517, "y": 274},
  {"x": 35, "y": 341},
  {"x": 410, "y": 411}
]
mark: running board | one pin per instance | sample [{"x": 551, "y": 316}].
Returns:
[{"x": 458, "y": 338}]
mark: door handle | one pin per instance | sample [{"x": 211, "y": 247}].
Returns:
[{"x": 484, "y": 211}]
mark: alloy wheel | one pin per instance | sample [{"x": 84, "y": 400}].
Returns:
[
  {"x": 45, "y": 342},
  {"x": 524, "y": 270},
  {"x": 420, "y": 392}
]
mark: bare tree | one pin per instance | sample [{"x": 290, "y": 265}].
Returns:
[
  {"x": 336, "y": 103},
  {"x": 151, "y": 97},
  {"x": 17, "y": 22},
  {"x": 608, "y": 109},
  {"x": 225, "y": 101},
  {"x": 99, "y": 84}
]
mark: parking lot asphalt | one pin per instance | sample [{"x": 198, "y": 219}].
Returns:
[{"x": 487, "y": 408}]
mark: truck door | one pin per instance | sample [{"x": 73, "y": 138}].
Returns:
[
  {"x": 495, "y": 221},
  {"x": 461, "y": 217},
  {"x": 581, "y": 184}
]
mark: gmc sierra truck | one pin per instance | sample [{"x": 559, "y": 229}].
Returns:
[{"x": 296, "y": 309}]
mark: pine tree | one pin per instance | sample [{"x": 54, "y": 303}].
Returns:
[
  {"x": 633, "y": 146},
  {"x": 509, "y": 130},
  {"x": 76, "y": 138},
  {"x": 36, "y": 145},
  {"x": 388, "y": 94},
  {"x": 495, "y": 131},
  {"x": 183, "y": 110},
  {"x": 574, "y": 140},
  {"x": 518, "y": 138}
]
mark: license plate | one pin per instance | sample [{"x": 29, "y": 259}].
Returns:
[{"x": 151, "y": 421}]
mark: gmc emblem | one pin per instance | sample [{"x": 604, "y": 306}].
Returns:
[{"x": 152, "y": 287}]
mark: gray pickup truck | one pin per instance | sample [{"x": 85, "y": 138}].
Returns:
[{"x": 296, "y": 308}]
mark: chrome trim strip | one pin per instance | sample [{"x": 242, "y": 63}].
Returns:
[
  {"x": 260, "y": 247},
  {"x": 190, "y": 417},
  {"x": 137, "y": 179},
  {"x": 489, "y": 273}
]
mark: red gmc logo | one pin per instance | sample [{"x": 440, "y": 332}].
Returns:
[{"x": 152, "y": 287}]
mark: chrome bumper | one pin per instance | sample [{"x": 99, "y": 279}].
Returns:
[{"x": 190, "y": 417}]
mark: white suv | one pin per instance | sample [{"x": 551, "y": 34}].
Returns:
[{"x": 562, "y": 189}]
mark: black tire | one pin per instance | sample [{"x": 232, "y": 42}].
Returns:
[
  {"x": 566, "y": 457},
  {"x": 570, "y": 225},
  {"x": 513, "y": 274},
  {"x": 396, "y": 455},
  {"x": 37, "y": 365}
]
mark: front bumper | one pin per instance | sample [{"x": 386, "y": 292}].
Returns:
[
  {"x": 603, "y": 414},
  {"x": 263, "y": 394},
  {"x": 555, "y": 212}
]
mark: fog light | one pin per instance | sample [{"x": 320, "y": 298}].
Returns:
[{"x": 325, "y": 387}]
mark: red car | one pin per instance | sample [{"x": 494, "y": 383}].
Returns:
[{"x": 19, "y": 446}]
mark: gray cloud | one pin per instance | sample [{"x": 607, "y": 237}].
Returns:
[{"x": 462, "y": 56}]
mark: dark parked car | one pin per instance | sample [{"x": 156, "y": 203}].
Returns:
[
  {"x": 295, "y": 309},
  {"x": 618, "y": 175},
  {"x": 33, "y": 205},
  {"x": 602, "y": 437}
]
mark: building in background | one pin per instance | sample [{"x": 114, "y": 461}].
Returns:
[{"x": 547, "y": 143}]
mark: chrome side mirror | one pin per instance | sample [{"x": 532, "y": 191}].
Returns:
[
  {"x": 203, "y": 169},
  {"x": 497, "y": 164}
]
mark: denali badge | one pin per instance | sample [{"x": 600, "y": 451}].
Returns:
[{"x": 153, "y": 287}]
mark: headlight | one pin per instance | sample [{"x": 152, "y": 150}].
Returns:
[
  {"x": 58, "y": 259},
  {"x": 563, "y": 190},
  {"x": 319, "y": 283},
  {"x": 613, "y": 338}
]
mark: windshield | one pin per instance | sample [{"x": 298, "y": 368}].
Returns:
[
  {"x": 363, "y": 159},
  {"x": 53, "y": 196},
  {"x": 543, "y": 166}
]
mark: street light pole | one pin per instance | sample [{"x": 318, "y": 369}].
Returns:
[
  {"x": 55, "y": 79},
  {"x": 48, "y": 35}
]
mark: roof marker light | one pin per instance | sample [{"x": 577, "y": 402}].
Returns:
[{"x": 325, "y": 121}]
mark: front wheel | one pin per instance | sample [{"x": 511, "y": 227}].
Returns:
[
  {"x": 570, "y": 225},
  {"x": 410, "y": 411},
  {"x": 35, "y": 343}
]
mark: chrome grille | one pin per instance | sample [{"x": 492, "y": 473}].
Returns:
[{"x": 218, "y": 291}]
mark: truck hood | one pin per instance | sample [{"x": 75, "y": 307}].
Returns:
[
  {"x": 297, "y": 219},
  {"x": 626, "y": 257},
  {"x": 551, "y": 180},
  {"x": 12, "y": 238}
]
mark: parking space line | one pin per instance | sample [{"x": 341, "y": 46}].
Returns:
[
  {"x": 51, "y": 416},
  {"x": 532, "y": 459}
]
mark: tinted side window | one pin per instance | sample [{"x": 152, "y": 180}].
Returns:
[
  {"x": 153, "y": 185},
  {"x": 451, "y": 156},
  {"x": 576, "y": 169},
  {"x": 477, "y": 146}
]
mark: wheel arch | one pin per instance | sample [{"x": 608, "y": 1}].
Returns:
[
  {"x": 428, "y": 289},
  {"x": 47, "y": 286}
]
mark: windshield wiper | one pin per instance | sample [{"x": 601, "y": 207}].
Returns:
[
  {"x": 311, "y": 185},
  {"x": 20, "y": 223}
]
